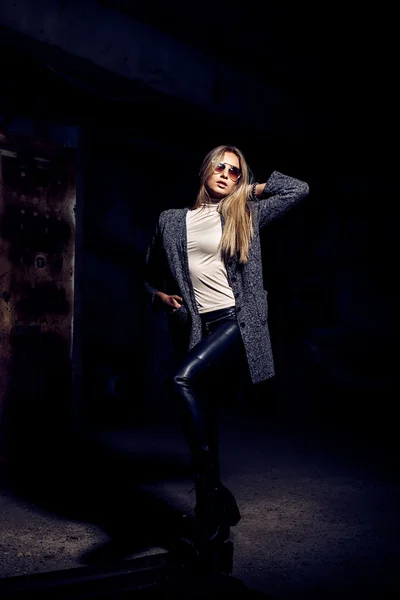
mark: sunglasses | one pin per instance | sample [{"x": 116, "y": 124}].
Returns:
[{"x": 233, "y": 172}]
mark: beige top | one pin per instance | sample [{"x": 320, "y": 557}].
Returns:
[{"x": 207, "y": 270}]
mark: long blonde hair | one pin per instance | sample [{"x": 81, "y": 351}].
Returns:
[{"x": 238, "y": 228}]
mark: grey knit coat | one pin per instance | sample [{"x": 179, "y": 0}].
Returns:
[{"x": 167, "y": 270}]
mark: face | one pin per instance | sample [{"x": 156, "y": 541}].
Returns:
[{"x": 219, "y": 185}]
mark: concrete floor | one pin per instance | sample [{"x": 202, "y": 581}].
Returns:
[{"x": 319, "y": 511}]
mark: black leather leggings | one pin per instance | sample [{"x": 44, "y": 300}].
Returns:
[{"x": 219, "y": 353}]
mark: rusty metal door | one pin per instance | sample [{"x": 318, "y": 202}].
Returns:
[{"x": 37, "y": 234}]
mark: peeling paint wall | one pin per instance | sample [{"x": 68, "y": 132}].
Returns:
[{"x": 37, "y": 232}]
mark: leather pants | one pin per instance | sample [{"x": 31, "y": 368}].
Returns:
[{"x": 219, "y": 353}]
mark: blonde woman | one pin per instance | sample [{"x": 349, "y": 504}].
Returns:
[{"x": 204, "y": 266}]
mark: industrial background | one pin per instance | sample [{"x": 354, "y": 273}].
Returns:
[{"x": 106, "y": 111}]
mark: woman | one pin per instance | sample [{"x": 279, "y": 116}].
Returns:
[{"x": 204, "y": 266}]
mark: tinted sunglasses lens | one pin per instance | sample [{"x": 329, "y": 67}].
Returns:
[
  {"x": 220, "y": 168},
  {"x": 234, "y": 173}
]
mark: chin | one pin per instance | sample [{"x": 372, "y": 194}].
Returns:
[{"x": 219, "y": 194}]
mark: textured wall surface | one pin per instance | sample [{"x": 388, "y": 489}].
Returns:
[{"x": 37, "y": 229}]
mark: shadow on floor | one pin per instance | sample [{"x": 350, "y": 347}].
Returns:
[{"x": 85, "y": 480}]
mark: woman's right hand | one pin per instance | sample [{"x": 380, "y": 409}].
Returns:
[{"x": 173, "y": 302}]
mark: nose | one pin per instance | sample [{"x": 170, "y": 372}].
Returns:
[{"x": 224, "y": 172}]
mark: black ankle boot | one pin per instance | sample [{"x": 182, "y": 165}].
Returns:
[{"x": 216, "y": 508}]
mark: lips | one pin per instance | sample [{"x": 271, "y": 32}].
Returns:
[{"x": 221, "y": 183}]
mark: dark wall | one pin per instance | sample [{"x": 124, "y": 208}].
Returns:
[
  {"x": 332, "y": 313},
  {"x": 329, "y": 265}
]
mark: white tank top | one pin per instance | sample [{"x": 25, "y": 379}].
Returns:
[{"x": 207, "y": 270}]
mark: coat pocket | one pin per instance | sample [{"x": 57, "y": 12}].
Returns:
[{"x": 180, "y": 316}]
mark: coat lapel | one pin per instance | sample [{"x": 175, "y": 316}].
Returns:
[{"x": 181, "y": 238}]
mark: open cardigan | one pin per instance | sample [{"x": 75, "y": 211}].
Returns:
[{"x": 167, "y": 270}]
